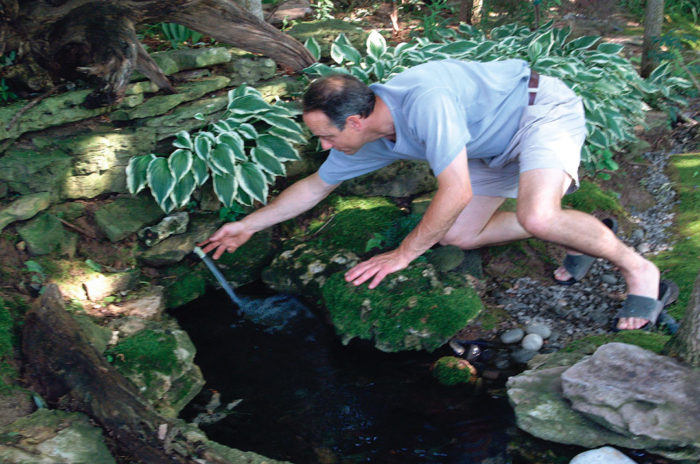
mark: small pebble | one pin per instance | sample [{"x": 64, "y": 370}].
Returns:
[
  {"x": 512, "y": 335},
  {"x": 540, "y": 329},
  {"x": 532, "y": 342},
  {"x": 609, "y": 279}
]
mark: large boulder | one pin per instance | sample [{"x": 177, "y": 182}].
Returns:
[
  {"x": 173, "y": 249},
  {"x": 126, "y": 215},
  {"x": 45, "y": 234},
  {"x": 53, "y": 437},
  {"x": 622, "y": 395},
  {"x": 411, "y": 309}
]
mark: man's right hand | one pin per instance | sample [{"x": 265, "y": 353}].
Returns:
[{"x": 228, "y": 238}]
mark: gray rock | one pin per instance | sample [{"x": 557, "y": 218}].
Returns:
[
  {"x": 170, "y": 225},
  {"x": 512, "y": 335},
  {"x": 173, "y": 249},
  {"x": 54, "y": 436},
  {"x": 99, "y": 286},
  {"x": 126, "y": 215},
  {"x": 639, "y": 394},
  {"x": 609, "y": 279},
  {"x": 540, "y": 329},
  {"x": 45, "y": 234},
  {"x": 25, "y": 207},
  {"x": 146, "y": 304},
  {"x": 523, "y": 356},
  {"x": 604, "y": 455},
  {"x": 532, "y": 342}
]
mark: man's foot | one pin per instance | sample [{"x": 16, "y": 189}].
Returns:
[
  {"x": 576, "y": 265},
  {"x": 563, "y": 276},
  {"x": 641, "y": 281}
]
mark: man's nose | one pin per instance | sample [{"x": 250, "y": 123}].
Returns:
[{"x": 326, "y": 145}]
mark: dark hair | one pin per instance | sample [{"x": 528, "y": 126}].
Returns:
[{"x": 339, "y": 96}]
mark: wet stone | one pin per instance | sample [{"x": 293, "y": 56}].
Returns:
[
  {"x": 522, "y": 356},
  {"x": 532, "y": 342},
  {"x": 512, "y": 335},
  {"x": 540, "y": 329},
  {"x": 609, "y": 279}
]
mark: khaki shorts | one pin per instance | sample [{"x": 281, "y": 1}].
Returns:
[{"x": 550, "y": 135}]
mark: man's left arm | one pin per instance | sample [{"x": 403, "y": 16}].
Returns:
[{"x": 453, "y": 194}]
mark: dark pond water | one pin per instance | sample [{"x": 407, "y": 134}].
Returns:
[{"x": 307, "y": 398}]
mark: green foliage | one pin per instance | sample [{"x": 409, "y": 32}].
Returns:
[
  {"x": 36, "y": 272},
  {"x": 7, "y": 341},
  {"x": 433, "y": 20},
  {"x": 241, "y": 154},
  {"x": 6, "y": 95},
  {"x": 612, "y": 91},
  {"x": 394, "y": 234},
  {"x": 450, "y": 370},
  {"x": 323, "y": 9},
  {"x": 589, "y": 198},
  {"x": 145, "y": 351},
  {"x": 649, "y": 341},
  {"x": 178, "y": 34}
]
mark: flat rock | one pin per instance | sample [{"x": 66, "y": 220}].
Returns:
[{"x": 25, "y": 207}]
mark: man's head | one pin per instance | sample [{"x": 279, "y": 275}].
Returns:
[{"x": 334, "y": 109}]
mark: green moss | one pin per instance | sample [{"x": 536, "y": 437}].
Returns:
[
  {"x": 247, "y": 262},
  {"x": 145, "y": 352},
  {"x": 187, "y": 284},
  {"x": 682, "y": 263},
  {"x": 410, "y": 310},
  {"x": 648, "y": 340},
  {"x": 7, "y": 342},
  {"x": 589, "y": 198},
  {"x": 450, "y": 370}
]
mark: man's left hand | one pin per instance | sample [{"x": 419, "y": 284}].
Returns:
[{"x": 377, "y": 267}]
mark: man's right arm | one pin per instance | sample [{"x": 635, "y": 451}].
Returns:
[{"x": 294, "y": 200}]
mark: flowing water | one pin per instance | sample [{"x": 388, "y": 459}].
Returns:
[{"x": 297, "y": 394}]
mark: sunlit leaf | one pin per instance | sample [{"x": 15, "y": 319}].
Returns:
[
  {"x": 180, "y": 163},
  {"x": 282, "y": 149},
  {"x": 182, "y": 140},
  {"x": 376, "y": 45},
  {"x": 202, "y": 146},
  {"x": 252, "y": 181},
  {"x": 161, "y": 181},
  {"x": 313, "y": 47},
  {"x": 225, "y": 187},
  {"x": 183, "y": 190},
  {"x": 136, "y": 172},
  {"x": 222, "y": 157},
  {"x": 200, "y": 171}
]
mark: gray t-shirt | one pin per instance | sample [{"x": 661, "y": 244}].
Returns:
[{"x": 438, "y": 108}]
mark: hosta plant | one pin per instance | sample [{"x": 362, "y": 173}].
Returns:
[
  {"x": 241, "y": 154},
  {"x": 613, "y": 93}
]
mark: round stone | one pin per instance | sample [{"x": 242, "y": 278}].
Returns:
[
  {"x": 532, "y": 342},
  {"x": 540, "y": 329},
  {"x": 609, "y": 279},
  {"x": 512, "y": 335},
  {"x": 522, "y": 356}
]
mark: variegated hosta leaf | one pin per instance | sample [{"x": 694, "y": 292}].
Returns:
[
  {"x": 281, "y": 123},
  {"x": 221, "y": 127},
  {"x": 136, "y": 172},
  {"x": 249, "y": 104},
  {"x": 180, "y": 163},
  {"x": 222, "y": 157},
  {"x": 293, "y": 137},
  {"x": 202, "y": 146},
  {"x": 200, "y": 171},
  {"x": 267, "y": 160},
  {"x": 225, "y": 188},
  {"x": 282, "y": 149},
  {"x": 376, "y": 45},
  {"x": 247, "y": 131},
  {"x": 252, "y": 181},
  {"x": 235, "y": 143},
  {"x": 313, "y": 47},
  {"x": 161, "y": 181},
  {"x": 182, "y": 140},
  {"x": 243, "y": 197},
  {"x": 183, "y": 190}
]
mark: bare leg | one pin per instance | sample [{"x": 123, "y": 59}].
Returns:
[{"x": 540, "y": 213}]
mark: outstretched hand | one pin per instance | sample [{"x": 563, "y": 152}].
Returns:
[
  {"x": 228, "y": 238},
  {"x": 376, "y": 268}
]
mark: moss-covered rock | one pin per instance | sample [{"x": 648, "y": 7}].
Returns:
[
  {"x": 245, "y": 265},
  {"x": 53, "y": 436},
  {"x": 126, "y": 215},
  {"x": 45, "y": 234},
  {"x": 589, "y": 198},
  {"x": 400, "y": 179},
  {"x": 450, "y": 370},
  {"x": 25, "y": 207},
  {"x": 7, "y": 342},
  {"x": 409, "y": 310},
  {"x": 159, "y": 361},
  {"x": 303, "y": 269},
  {"x": 184, "y": 284},
  {"x": 30, "y": 171}
]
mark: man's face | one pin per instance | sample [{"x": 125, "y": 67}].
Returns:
[{"x": 349, "y": 140}]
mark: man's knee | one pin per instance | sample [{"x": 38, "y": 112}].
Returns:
[
  {"x": 462, "y": 242},
  {"x": 537, "y": 222}
]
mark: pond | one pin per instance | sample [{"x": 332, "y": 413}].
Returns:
[{"x": 306, "y": 398}]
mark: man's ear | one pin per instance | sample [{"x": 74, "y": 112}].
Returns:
[{"x": 355, "y": 121}]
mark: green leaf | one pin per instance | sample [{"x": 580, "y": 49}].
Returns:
[
  {"x": 376, "y": 45},
  {"x": 252, "y": 181},
  {"x": 200, "y": 171},
  {"x": 290, "y": 136},
  {"x": 182, "y": 140},
  {"x": 225, "y": 188},
  {"x": 267, "y": 160},
  {"x": 223, "y": 158},
  {"x": 180, "y": 163},
  {"x": 599, "y": 139},
  {"x": 313, "y": 47},
  {"x": 659, "y": 72},
  {"x": 221, "y": 127},
  {"x": 247, "y": 131},
  {"x": 279, "y": 122},
  {"x": 183, "y": 190},
  {"x": 458, "y": 48},
  {"x": 582, "y": 43},
  {"x": 321, "y": 70},
  {"x": 342, "y": 49},
  {"x": 282, "y": 149},
  {"x": 243, "y": 197},
  {"x": 202, "y": 146},
  {"x": 360, "y": 73},
  {"x": 248, "y": 104},
  {"x": 610, "y": 48},
  {"x": 161, "y": 181},
  {"x": 136, "y": 172},
  {"x": 235, "y": 143}
]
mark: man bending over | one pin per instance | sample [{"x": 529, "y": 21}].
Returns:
[{"x": 489, "y": 131}]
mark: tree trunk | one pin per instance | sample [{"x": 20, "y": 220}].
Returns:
[
  {"x": 470, "y": 11},
  {"x": 69, "y": 39},
  {"x": 653, "y": 21},
  {"x": 68, "y": 372},
  {"x": 685, "y": 344}
]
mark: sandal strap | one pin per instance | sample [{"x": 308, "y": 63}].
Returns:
[{"x": 642, "y": 307}]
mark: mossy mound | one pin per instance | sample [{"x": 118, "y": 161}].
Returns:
[
  {"x": 450, "y": 370},
  {"x": 590, "y": 197},
  {"x": 245, "y": 265},
  {"x": 410, "y": 310},
  {"x": 7, "y": 342}
]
